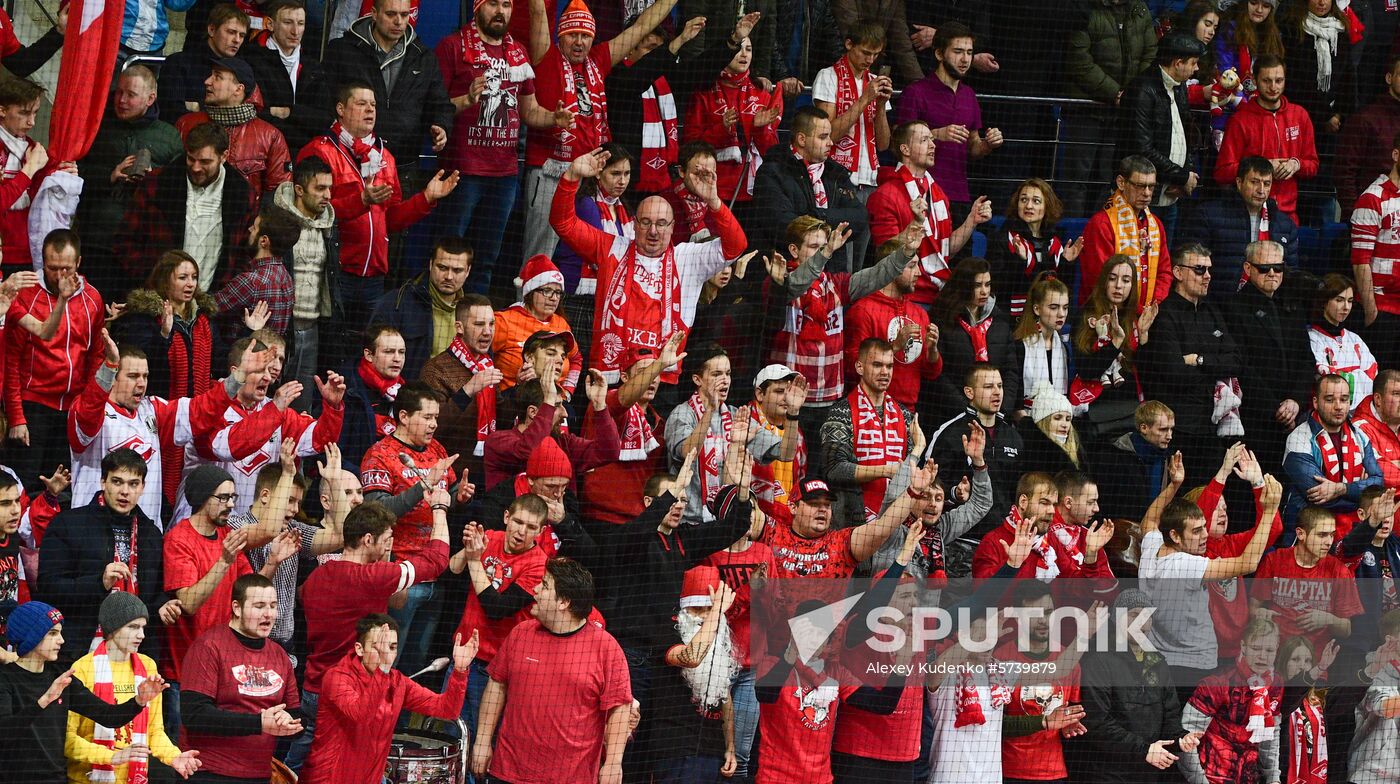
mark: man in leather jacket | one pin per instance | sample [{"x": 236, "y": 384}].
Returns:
[{"x": 1156, "y": 121}]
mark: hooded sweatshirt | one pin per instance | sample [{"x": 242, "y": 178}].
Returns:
[{"x": 309, "y": 255}]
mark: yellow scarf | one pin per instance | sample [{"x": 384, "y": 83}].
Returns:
[{"x": 1130, "y": 234}]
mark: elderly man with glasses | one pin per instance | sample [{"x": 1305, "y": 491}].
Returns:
[
  {"x": 1127, "y": 225},
  {"x": 1190, "y": 356}
]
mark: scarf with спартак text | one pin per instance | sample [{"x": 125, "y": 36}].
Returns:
[
  {"x": 485, "y": 399},
  {"x": 878, "y": 437},
  {"x": 1138, "y": 237}
]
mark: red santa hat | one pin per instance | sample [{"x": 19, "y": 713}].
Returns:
[
  {"x": 576, "y": 18},
  {"x": 696, "y": 587},
  {"x": 537, "y": 273}
]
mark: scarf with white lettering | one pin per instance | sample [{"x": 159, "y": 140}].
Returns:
[
  {"x": 845, "y": 152},
  {"x": 638, "y": 439},
  {"x": 1139, "y": 237},
  {"x": 1260, "y": 720},
  {"x": 367, "y": 153},
  {"x": 934, "y": 247},
  {"x": 1307, "y": 751},
  {"x": 712, "y": 448},
  {"x": 879, "y": 438},
  {"x": 136, "y": 772},
  {"x": 589, "y": 105},
  {"x": 660, "y": 137},
  {"x": 629, "y": 314},
  {"x": 969, "y": 707},
  {"x": 1346, "y": 467},
  {"x": 1024, "y": 249},
  {"x": 485, "y": 399}
]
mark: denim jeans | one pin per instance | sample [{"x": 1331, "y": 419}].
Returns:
[
  {"x": 301, "y": 745},
  {"x": 745, "y": 702},
  {"x": 303, "y": 357},
  {"x": 479, "y": 209},
  {"x": 687, "y": 770},
  {"x": 417, "y": 621}
]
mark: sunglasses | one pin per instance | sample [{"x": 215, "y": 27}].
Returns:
[
  {"x": 1199, "y": 269},
  {"x": 1267, "y": 269}
]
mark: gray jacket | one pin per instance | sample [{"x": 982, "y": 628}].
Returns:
[{"x": 953, "y": 523}]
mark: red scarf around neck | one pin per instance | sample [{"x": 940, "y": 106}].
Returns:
[
  {"x": 845, "y": 152},
  {"x": 628, "y": 315},
  {"x": 590, "y": 127},
  {"x": 695, "y": 210},
  {"x": 485, "y": 399},
  {"x": 386, "y": 388},
  {"x": 977, "y": 333},
  {"x": 712, "y": 448},
  {"x": 879, "y": 437},
  {"x": 1347, "y": 467}
]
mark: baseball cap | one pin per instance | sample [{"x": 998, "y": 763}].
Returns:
[
  {"x": 240, "y": 70},
  {"x": 543, "y": 335},
  {"x": 807, "y": 489},
  {"x": 774, "y": 372}
]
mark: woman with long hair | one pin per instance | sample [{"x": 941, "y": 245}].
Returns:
[
  {"x": 1303, "y": 735},
  {"x": 746, "y": 128},
  {"x": 971, "y": 328},
  {"x": 1038, "y": 349},
  {"x": 168, "y": 318},
  {"x": 1047, "y": 433},
  {"x": 1248, "y": 31},
  {"x": 1317, "y": 37},
  {"x": 1201, "y": 18},
  {"x": 1029, "y": 243},
  {"x": 1104, "y": 341},
  {"x": 1335, "y": 348}
]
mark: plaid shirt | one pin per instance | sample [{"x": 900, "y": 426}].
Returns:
[{"x": 264, "y": 279}]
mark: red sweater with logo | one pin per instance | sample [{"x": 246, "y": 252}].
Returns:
[{"x": 1285, "y": 133}]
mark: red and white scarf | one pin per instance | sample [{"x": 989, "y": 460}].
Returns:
[
  {"x": 630, "y": 315},
  {"x": 1259, "y": 717},
  {"x": 1349, "y": 465},
  {"x": 366, "y": 153},
  {"x": 660, "y": 137},
  {"x": 977, "y": 333},
  {"x": 934, "y": 248},
  {"x": 617, "y": 221},
  {"x": 845, "y": 152},
  {"x": 386, "y": 388},
  {"x": 1043, "y": 562},
  {"x": 1023, "y": 248},
  {"x": 16, "y": 151},
  {"x": 638, "y": 439},
  {"x": 474, "y": 51},
  {"x": 969, "y": 708},
  {"x": 1307, "y": 750},
  {"x": 695, "y": 210},
  {"x": 814, "y": 173},
  {"x": 712, "y": 448},
  {"x": 136, "y": 772},
  {"x": 879, "y": 437},
  {"x": 485, "y": 399},
  {"x": 596, "y": 117},
  {"x": 125, "y": 584},
  {"x": 1261, "y": 236},
  {"x": 811, "y": 338}
]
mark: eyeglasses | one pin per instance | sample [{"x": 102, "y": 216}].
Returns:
[
  {"x": 1200, "y": 269},
  {"x": 228, "y": 499},
  {"x": 1141, "y": 186},
  {"x": 550, "y": 293},
  {"x": 1267, "y": 269},
  {"x": 662, "y": 225}
]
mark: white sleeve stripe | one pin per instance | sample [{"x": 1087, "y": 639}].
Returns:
[{"x": 407, "y": 575}]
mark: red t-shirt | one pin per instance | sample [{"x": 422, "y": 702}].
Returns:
[
  {"x": 826, "y": 556},
  {"x": 559, "y": 691},
  {"x": 892, "y": 738},
  {"x": 735, "y": 569},
  {"x": 613, "y": 492},
  {"x": 523, "y": 569},
  {"x": 188, "y": 556},
  {"x": 485, "y": 137},
  {"x": 331, "y": 615},
  {"x": 243, "y": 680},
  {"x": 590, "y": 129},
  {"x": 795, "y": 731},
  {"x": 381, "y": 469},
  {"x": 1039, "y": 756},
  {"x": 1290, "y": 590}
]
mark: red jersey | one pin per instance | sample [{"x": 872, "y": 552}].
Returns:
[
  {"x": 188, "y": 556},
  {"x": 1039, "y": 756},
  {"x": 735, "y": 569},
  {"x": 561, "y": 689},
  {"x": 796, "y": 730},
  {"x": 339, "y": 593},
  {"x": 382, "y": 470},
  {"x": 1375, "y": 243},
  {"x": 1291, "y": 590},
  {"x": 504, "y": 569},
  {"x": 892, "y": 738},
  {"x": 242, "y": 679},
  {"x": 829, "y": 555}
]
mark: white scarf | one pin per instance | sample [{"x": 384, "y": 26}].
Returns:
[
  {"x": 1038, "y": 367},
  {"x": 16, "y": 149},
  {"x": 374, "y": 157},
  {"x": 1324, "y": 30},
  {"x": 291, "y": 62},
  {"x": 710, "y": 680}
]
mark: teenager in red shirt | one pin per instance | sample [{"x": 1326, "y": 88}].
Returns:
[
  {"x": 559, "y": 692},
  {"x": 504, "y": 567},
  {"x": 1310, "y": 592},
  {"x": 240, "y": 694}
]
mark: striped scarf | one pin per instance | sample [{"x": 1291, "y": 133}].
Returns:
[
  {"x": 660, "y": 137},
  {"x": 638, "y": 438},
  {"x": 136, "y": 772},
  {"x": 934, "y": 247},
  {"x": 712, "y": 448},
  {"x": 1140, "y": 237},
  {"x": 1346, "y": 467},
  {"x": 845, "y": 152},
  {"x": 485, "y": 399}
]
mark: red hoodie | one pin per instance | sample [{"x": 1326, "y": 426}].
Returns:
[
  {"x": 1383, "y": 439},
  {"x": 880, "y": 316},
  {"x": 1286, "y": 133}
]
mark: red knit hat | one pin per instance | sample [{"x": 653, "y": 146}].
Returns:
[
  {"x": 537, "y": 273},
  {"x": 695, "y": 590},
  {"x": 547, "y": 460},
  {"x": 577, "y": 19}
]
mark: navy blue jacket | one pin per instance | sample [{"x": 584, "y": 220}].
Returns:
[
  {"x": 1223, "y": 226},
  {"x": 409, "y": 309},
  {"x": 358, "y": 432},
  {"x": 1365, "y": 634}
]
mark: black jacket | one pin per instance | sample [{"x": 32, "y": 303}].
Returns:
[
  {"x": 1222, "y": 225},
  {"x": 1300, "y": 58},
  {"x": 1040, "y": 453},
  {"x": 955, "y": 346},
  {"x": 1011, "y": 273},
  {"x": 409, "y": 309},
  {"x": 418, "y": 100},
  {"x": 181, "y": 79},
  {"x": 77, "y": 548},
  {"x": 359, "y": 431},
  {"x": 1182, "y": 328},
  {"x": 1128, "y": 706},
  {"x": 1002, "y": 454},
  {"x": 31, "y": 738},
  {"x": 785, "y": 192},
  {"x": 1276, "y": 361},
  {"x": 308, "y": 118},
  {"x": 1147, "y": 125},
  {"x": 1135, "y": 465}
]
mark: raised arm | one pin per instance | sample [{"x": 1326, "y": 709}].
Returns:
[
  {"x": 628, "y": 39},
  {"x": 1248, "y": 561},
  {"x": 866, "y": 539},
  {"x": 1176, "y": 475},
  {"x": 539, "y": 31}
]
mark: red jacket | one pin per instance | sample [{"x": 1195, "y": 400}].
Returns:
[
  {"x": 356, "y": 716},
  {"x": 14, "y": 223},
  {"x": 1383, "y": 439},
  {"x": 364, "y": 230},
  {"x": 1099, "y": 246},
  {"x": 256, "y": 149},
  {"x": 704, "y": 121},
  {"x": 889, "y": 212},
  {"x": 55, "y": 372},
  {"x": 879, "y": 316},
  {"x": 1286, "y": 133}
]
